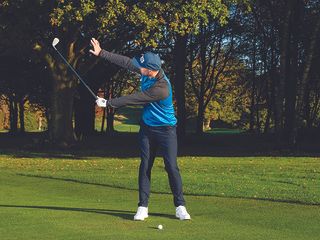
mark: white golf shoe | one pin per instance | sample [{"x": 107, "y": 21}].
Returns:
[
  {"x": 182, "y": 214},
  {"x": 141, "y": 214}
]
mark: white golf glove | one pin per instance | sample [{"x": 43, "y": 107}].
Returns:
[{"x": 101, "y": 102}]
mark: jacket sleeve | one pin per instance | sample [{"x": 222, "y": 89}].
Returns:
[
  {"x": 158, "y": 91},
  {"x": 122, "y": 61}
]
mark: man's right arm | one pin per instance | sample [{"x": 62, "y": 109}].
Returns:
[
  {"x": 159, "y": 91},
  {"x": 119, "y": 60}
]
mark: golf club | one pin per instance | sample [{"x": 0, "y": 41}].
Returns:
[{"x": 54, "y": 43}]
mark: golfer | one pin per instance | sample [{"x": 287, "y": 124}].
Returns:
[{"x": 157, "y": 127}]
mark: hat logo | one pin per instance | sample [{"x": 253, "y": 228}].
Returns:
[{"x": 142, "y": 59}]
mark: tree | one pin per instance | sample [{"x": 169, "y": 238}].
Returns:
[
  {"x": 185, "y": 19},
  {"x": 285, "y": 40},
  {"x": 212, "y": 52}
]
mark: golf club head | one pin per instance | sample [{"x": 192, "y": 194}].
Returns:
[{"x": 55, "y": 42}]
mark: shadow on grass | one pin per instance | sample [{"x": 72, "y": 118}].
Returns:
[
  {"x": 186, "y": 194},
  {"x": 126, "y": 145},
  {"x": 75, "y": 181},
  {"x": 116, "y": 213},
  {"x": 127, "y": 215}
]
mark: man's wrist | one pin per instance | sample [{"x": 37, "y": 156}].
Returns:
[{"x": 100, "y": 53}]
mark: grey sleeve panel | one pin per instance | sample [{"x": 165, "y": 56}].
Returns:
[
  {"x": 122, "y": 61},
  {"x": 158, "y": 91}
]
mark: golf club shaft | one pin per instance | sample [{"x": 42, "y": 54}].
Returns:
[{"x": 83, "y": 82}]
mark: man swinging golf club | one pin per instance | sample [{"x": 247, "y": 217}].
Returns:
[{"x": 158, "y": 124}]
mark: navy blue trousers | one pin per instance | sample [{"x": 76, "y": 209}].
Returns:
[{"x": 163, "y": 138}]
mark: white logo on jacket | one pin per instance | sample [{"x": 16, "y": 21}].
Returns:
[{"x": 142, "y": 59}]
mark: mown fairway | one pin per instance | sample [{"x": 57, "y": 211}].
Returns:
[{"x": 70, "y": 197}]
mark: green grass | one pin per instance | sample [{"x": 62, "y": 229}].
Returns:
[
  {"x": 95, "y": 198},
  {"x": 224, "y": 131},
  {"x": 126, "y": 120},
  {"x": 283, "y": 179},
  {"x": 127, "y": 128}
]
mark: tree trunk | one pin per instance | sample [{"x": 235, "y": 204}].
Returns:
[
  {"x": 258, "y": 123},
  {"x": 105, "y": 93},
  {"x": 85, "y": 105},
  {"x": 61, "y": 125},
  {"x": 284, "y": 62},
  {"x": 303, "y": 91},
  {"x": 180, "y": 58},
  {"x": 110, "y": 120},
  {"x": 21, "y": 115},
  {"x": 203, "y": 60},
  {"x": 292, "y": 77},
  {"x": 273, "y": 78},
  {"x": 267, "y": 123},
  {"x": 103, "y": 119},
  {"x": 13, "y": 107},
  {"x": 314, "y": 112},
  {"x": 6, "y": 116},
  {"x": 269, "y": 104},
  {"x": 84, "y": 109},
  {"x": 253, "y": 86},
  {"x": 200, "y": 116},
  {"x": 269, "y": 110},
  {"x": 307, "y": 111}
]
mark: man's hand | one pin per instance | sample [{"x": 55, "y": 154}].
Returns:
[
  {"x": 101, "y": 102},
  {"x": 96, "y": 47}
]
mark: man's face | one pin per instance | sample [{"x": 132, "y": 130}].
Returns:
[
  {"x": 145, "y": 71},
  {"x": 149, "y": 73}
]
